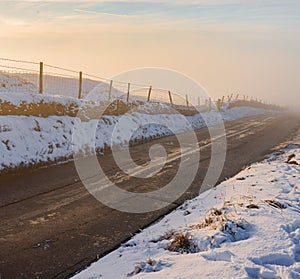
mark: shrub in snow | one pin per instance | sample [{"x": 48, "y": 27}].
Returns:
[{"x": 182, "y": 243}]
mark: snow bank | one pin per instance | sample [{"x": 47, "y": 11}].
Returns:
[
  {"x": 247, "y": 227},
  {"x": 30, "y": 140}
]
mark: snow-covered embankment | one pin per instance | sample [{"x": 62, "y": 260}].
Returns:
[
  {"x": 247, "y": 227},
  {"x": 30, "y": 140}
]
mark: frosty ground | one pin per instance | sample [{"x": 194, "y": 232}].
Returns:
[
  {"x": 26, "y": 140},
  {"x": 247, "y": 227}
]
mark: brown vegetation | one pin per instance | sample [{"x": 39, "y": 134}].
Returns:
[{"x": 90, "y": 110}]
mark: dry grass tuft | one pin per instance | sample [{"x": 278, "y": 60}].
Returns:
[
  {"x": 181, "y": 243},
  {"x": 215, "y": 220}
]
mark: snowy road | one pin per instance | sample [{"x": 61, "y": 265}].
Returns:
[{"x": 51, "y": 226}]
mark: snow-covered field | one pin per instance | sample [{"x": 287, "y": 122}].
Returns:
[
  {"x": 67, "y": 87},
  {"x": 247, "y": 227},
  {"x": 53, "y": 85},
  {"x": 15, "y": 90}
]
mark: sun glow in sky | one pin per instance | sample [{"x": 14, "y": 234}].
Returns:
[{"x": 228, "y": 46}]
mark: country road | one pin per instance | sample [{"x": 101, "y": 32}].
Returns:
[{"x": 52, "y": 227}]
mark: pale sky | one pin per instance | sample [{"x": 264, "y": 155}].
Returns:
[{"x": 228, "y": 46}]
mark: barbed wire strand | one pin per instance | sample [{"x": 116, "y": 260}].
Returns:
[
  {"x": 116, "y": 81},
  {"x": 58, "y": 75},
  {"x": 19, "y": 61},
  {"x": 60, "y": 68}
]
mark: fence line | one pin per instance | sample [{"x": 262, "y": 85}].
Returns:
[{"x": 77, "y": 86}]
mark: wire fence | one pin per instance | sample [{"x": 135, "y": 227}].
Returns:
[{"x": 20, "y": 76}]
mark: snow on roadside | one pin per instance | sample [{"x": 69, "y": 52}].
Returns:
[
  {"x": 247, "y": 227},
  {"x": 30, "y": 140}
]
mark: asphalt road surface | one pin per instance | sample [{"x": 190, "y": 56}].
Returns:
[{"x": 52, "y": 227}]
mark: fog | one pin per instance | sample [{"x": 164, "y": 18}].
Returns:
[{"x": 253, "y": 55}]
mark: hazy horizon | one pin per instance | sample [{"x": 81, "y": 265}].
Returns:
[{"x": 227, "y": 46}]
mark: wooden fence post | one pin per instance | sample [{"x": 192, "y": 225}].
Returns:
[
  {"x": 41, "y": 86},
  {"x": 230, "y": 98},
  {"x": 237, "y": 96},
  {"x": 149, "y": 93},
  {"x": 209, "y": 104},
  {"x": 118, "y": 113},
  {"x": 187, "y": 102},
  {"x": 222, "y": 101},
  {"x": 128, "y": 90},
  {"x": 80, "y": 85},
  {"x": 110, "y": 89},
  {"x": 219, "y": 104},
  {"x": 170, "y": 97}
]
